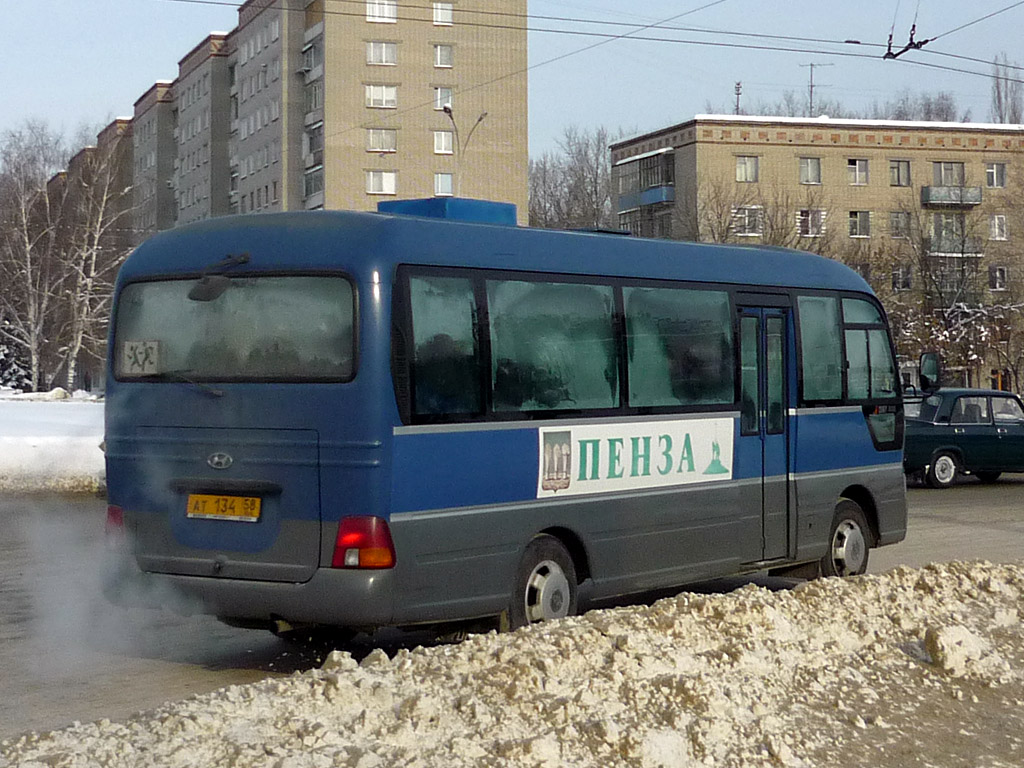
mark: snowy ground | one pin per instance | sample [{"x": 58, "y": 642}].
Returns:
[
  {"x": 50, "y": 442},
  {"x": 909, "y": 668}
]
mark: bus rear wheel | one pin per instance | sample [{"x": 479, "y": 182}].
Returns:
[
  {"x": 848, "y": 541},
  {"x": 545, "y": 586}
]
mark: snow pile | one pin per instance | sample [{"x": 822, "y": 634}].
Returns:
[
  {"x": 50, "y": 441},
  {"x": 880, "y": 670}
]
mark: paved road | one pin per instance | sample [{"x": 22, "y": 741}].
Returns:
[{"x": 66, "y": 655}]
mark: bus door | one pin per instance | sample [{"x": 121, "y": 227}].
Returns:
[{"x": 764, "y": 426}]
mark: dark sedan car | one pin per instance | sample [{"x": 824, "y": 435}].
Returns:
[{"x": 975, "y": 431}]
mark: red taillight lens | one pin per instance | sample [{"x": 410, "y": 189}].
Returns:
[
  {"x": 363, "y": 542},
  {"x": 114, "y": 528}
]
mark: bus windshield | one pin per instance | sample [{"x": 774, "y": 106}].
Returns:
[{"x": 280, "y": 328}]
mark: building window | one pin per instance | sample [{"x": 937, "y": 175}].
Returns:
[
  {"x": 380, "y": 182},
  {"x": 901, "y": 278},
  {"x": 443, "y": 184},
  {"x": 381, "y": 140},
  {"x": 997, "y": 278},
  {"x": 384, "y": 11},
  {"x": 747, "y": 221},
  {"x": 899, "y": 224},
  {"x": 382, "y": 53},
  {"x": 810, "y": 170},
  {"x": 314, "y": 145},
  {"x": 313, "y": 181},
  {"x": 997, "y": 226},
  {"x": 857, "y": 170},
  {"x": 443, "y": 143},
  {"x": 442, "y": 55},
  {"x": 899, "y": 173},
  {"x": 314, "y": 95},
  {"x": 746, "y": 168},
  {"x": 860, "y": 223},
  {"x": 948, "y": 174},
  {"x": 995, "y": 175},
  {"x": 811, "y": 222},
  {"x": 312, "y": 56},
  {"x": 443, "y": 14},
  {"x": 382, "y": 96},
  {"x": 442, "y": 98}
]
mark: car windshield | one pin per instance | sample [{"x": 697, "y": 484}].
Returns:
[{"x": 283, "y": 328}]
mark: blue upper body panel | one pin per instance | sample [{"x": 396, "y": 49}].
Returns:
[{"x": 361, "y": 243}]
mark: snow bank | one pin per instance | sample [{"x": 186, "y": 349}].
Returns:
[
  {"x": 50, "y": 442},
  {"x": 879, "y": 670}
]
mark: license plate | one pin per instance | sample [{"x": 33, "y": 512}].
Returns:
[{"x": 213, "y": 507}]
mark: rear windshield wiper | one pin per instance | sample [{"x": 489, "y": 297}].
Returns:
[
  {"x": 212, "y": 282},
  {"x": 184, "y": 376}
]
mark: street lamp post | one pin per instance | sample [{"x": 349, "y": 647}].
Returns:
[{"x": 460, "y": 147}]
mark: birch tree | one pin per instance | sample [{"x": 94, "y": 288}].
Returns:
[
  {"x": 99, "y": 218},
  {"x": 31, "y": 267}
]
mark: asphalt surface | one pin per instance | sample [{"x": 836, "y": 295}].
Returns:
[{"x": 67, "y": 655}]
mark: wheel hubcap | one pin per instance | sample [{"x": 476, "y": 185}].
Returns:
[
  {"x": 547, "y": 593},
  {"x": 945, "y": 469},
  {"x": 848, "y": 548}
]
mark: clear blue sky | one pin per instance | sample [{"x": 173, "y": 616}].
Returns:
[{"x": 75, "y": 62}]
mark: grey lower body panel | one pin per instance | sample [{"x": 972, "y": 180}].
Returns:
[
  {"x": 880, "y": 489},
  {"x": 341, "y": 597}
]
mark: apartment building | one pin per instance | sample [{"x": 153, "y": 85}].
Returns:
[
  {"x": 154, "y": 154},
  {"x": 202, "y": 96},
  {"x": 929, "y": 213},
  {"x": 414, "y": 100},
  {"x": 309, "y": 104}
]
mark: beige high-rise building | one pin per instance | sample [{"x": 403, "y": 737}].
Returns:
[
  {"x": 340, "y": 107},
  {"x": 203, "y": 98},
  {"x": 929, "y": 213},
  {"x": 154, "y": 153}
]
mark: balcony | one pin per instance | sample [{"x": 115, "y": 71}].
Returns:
[
  {"x": 951, "y": 196},
  {"x": 650, "y": 196},
  {"x": 953, "y": 245}
]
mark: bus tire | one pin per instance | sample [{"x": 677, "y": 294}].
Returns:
[
  {"x": 545, "y": 586},
  {"x": 943, "y": 470},
  {"x": 848, "y": 541}
]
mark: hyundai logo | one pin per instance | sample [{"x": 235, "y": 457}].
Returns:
[{"x": 219, "y": 460}]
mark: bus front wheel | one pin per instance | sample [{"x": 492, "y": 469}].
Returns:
[
  {"x": 545, "y": 585},
  {"x": 847, "y": 542}
]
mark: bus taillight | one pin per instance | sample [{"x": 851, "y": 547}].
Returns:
[
  {"x": 363, "y": 542},
  {"x": 114, "y": 529}
]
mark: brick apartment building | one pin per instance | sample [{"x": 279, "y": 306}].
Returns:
[
  {"x": 308, "y": 105},
  {"x": 929, "y": 213}
]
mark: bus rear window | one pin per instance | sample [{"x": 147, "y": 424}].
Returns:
[{"x": 280, "y": 328}]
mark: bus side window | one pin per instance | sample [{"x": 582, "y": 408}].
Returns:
[
  {"x": 820, "y": 348},
  {"x": 446, "y": 371},
  {"x": 552, "y": 346},
  {"x": 680, "y": 347}
]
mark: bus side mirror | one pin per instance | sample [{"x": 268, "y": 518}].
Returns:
[{"x": 930, "y": 371}]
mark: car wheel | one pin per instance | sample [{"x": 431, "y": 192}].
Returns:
[
  {"x": 988, "y": 477},
  {"x": 545, "y": 586},
  {"x": 848, "y": 541},
  {"x": 943, "y": 470}
]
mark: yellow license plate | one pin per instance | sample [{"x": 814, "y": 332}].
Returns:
[{"x": 212, "y": 507}]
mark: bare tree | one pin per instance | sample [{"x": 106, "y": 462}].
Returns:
[
  {"x": 31, "y": 267},
  {"x": 98, "y": 220},
  {"x": 1007, "y": 92},
  {"x": 572, "y": 188}
]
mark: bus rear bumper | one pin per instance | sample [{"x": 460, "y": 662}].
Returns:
[{"x": 339, "y": 597}]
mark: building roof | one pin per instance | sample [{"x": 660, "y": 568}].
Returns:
[{"x": 827, "y": 122}]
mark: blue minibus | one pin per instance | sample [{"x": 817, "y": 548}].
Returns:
[{"x": 429, "y": 415}]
